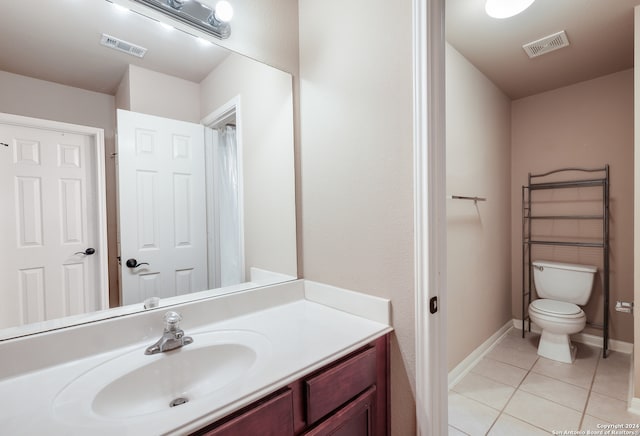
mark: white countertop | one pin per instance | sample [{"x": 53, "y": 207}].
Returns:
[{"x": 303, "y": 333}]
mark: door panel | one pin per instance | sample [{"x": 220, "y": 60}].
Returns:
[
  {"x": 46, "y": 180},
  {"x": 162, "y": 206}
]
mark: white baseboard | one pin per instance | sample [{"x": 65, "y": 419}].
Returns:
[
  {"x": 634, "y": 406},
  {"x": 584, "y": 338},
  {"x": 463, "y": 368},
  {"x": 517, "y": 323}
]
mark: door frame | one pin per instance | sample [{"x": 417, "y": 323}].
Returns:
[
  {"x": 96, "y": 135},
  {"x": 430, "y": 215},
  {"x": 218, "y": 116}
]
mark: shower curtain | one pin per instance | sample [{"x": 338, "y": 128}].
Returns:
[{"x": 231, "y": 253}]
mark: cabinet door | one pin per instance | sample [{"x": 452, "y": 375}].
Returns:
[
  {"x": 273, "y": 417},
  {"x": 354, "y": 419}
]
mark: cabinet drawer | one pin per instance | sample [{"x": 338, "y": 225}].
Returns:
[
  {"x": 271, "y": 417},
  {"x": 332, "y": 388}
]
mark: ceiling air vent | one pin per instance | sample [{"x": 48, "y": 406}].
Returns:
[
  {"x": 123, "y": 46},
  {"x": 546, "y": 44}
]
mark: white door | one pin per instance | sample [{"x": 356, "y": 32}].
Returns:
[
  {"x": 161, "y": 188},
  {"x": 49, "y": 219}
]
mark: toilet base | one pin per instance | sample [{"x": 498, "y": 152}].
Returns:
[{"x": 556, "y": 346}]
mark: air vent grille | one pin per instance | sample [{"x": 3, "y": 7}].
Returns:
[
  {"x": 123, "y": 46},
  {"x": 546, "y": 44}
]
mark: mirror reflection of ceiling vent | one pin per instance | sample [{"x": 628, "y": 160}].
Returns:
[
  {"x": 123, "y": 46},
  {"x": 546, "y": 44}
]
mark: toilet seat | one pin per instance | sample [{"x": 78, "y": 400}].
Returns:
[{"x": 560, "y": 309}]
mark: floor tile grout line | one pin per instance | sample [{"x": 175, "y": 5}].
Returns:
[
  {"x": 484, "y": 377},
  {"x": 461, "y": 431},
  {"x": 561, "y": 380},
  {"x": 518, "y": 388},
  {"x": 502, "y": 412},
  {"x": 511, "y": 396},
  {"x": 586, "y": 403},
  {"x": 475, "y": 401},
  {"x": 572, "y": 384},
  {"x": 553, "y": 401}
]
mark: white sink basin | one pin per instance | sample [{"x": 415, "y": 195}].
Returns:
[{"x": 135, "y": 384}]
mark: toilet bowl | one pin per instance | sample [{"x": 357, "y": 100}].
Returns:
[
  {"x": 561, "y": 287},
  {"x": 558, "y": 320}
]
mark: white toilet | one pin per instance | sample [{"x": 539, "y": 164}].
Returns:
[{"x": 560, "y": 288}]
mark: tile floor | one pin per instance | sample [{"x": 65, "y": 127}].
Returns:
[{"x": 513, "y": 391}]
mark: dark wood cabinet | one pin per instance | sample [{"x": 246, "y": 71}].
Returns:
[{"x": 348, "y": 397}]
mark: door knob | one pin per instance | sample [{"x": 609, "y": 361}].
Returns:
[
  {"x": 87, "y": 252},
  {"x": 132, "y": 263}
]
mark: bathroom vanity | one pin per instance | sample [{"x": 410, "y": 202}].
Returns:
[{"x": 288, "y": 359}]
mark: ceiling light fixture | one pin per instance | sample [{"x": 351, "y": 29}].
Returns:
[
  {"x": 506, "y": 8},
  {"x": 212, "y": 21}
]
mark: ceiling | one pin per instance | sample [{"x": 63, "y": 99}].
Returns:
[
  {"x": 600, "y": 34},
  {"x": 59, "y": 41}
]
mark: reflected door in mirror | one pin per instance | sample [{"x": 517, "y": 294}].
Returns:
[
  {"x": 162, "y": 215},
  {"x": 49, "y": 223}
]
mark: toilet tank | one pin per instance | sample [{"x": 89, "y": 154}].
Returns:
[{"x": 563, "y": 281}]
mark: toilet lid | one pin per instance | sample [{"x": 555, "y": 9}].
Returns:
[{"x": 555, "y": 307}]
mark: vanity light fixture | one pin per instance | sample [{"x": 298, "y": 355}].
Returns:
[
  {"x": 506, "y": 8},
  {"x": 212, "y": 21}
]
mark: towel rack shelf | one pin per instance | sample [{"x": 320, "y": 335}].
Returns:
[{"x": 567, "y": 217}]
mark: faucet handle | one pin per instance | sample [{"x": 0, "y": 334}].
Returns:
[{"x": 171, "y": 320}]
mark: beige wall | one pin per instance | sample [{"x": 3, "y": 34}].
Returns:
[
  {"x": 266, "y": 128},
  {"x": 266, "y": 30},
  {"x": 123, "y": 96},
  {"x": 35, "y": 98},
  {"x": 153, "y": 93},
  {"x": 478, "y": 250},
  {"x": 356, "y": 160},
  {"x": 587, "y": 125}
]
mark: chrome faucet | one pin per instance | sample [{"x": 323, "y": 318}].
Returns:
[{"x": 172, "y": 337}]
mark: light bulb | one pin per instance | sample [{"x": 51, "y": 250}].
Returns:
[
  {"x": 506, "y": 8},
  {"x": 223, "y": 11}
]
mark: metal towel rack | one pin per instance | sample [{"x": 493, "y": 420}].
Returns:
[{"x": 537, "y": 182}]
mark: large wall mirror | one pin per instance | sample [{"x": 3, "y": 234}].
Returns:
[{"x": 118, "y": 168}]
